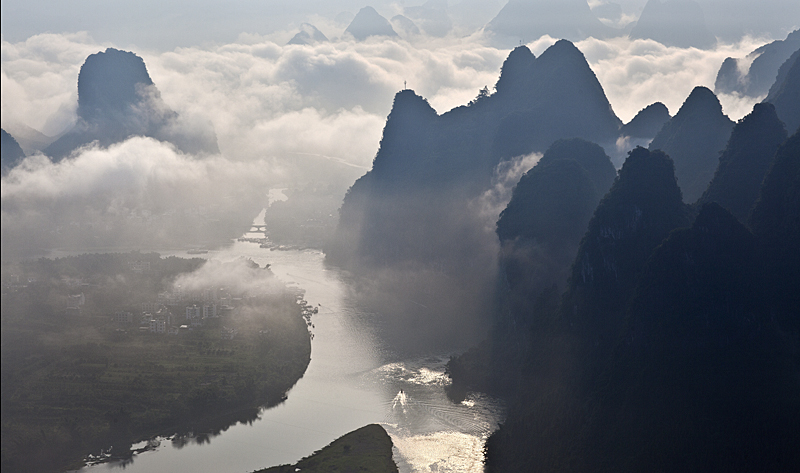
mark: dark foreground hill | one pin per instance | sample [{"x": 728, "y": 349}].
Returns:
[
  {"x": 745, "y": 161},
  {"x": 671, "y": 350},
  {"x": 785, "y": 93},
  {"x": 693, "y": 138}
]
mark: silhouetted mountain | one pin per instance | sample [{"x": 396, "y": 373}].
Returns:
[
  {"x": 695, "y": 370},
  {"x": 785, "y": 93},
  {"x": 642, "y": 207},
  {"x": 544, "y": 221},
  {"x": 554, "y": 402},
  {"x": 775, "y": 221},
  {"x": 702, "y": 380},
  {"x": 590, "y": 156},
  {"x": 405, "y": 26},
  {"x": 116, "y": 100},
  {"x": 693, "y": 138},
  {"x": 558, "y": 96},
  {"x": 537, "y": 102},
  {"x": 11, "y": 153},
  {"x": 309, "y": 34},
  {"x": 763, "y": 69},
  {"x": 527, "y": 20},
  {"x": 745, "y": 161},
  {"x": 369, "y": 22},
  {"x": 678, "y": 23},
  {"x": 647, "y": 123}
]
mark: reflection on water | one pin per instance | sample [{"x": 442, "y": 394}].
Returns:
[{"x": 352, "y": 381}]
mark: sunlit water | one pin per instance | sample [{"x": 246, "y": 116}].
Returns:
[{"x": 351, "y": 382}]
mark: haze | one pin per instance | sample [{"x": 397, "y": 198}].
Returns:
[{"x": 251, "y": 100}]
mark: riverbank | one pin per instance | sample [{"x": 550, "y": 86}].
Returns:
[{"x": 89, "y": 380}]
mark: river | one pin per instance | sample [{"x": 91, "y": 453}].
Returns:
[{"x": 352, "y": 381}]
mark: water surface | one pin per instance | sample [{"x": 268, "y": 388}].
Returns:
[{"x": 352, "y": 381}]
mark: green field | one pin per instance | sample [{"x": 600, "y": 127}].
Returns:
[{"x": 75, "y": 383}]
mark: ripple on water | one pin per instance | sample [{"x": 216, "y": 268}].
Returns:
[{"x": 438, "y": 452}]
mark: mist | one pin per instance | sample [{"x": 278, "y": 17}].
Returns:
[
  {"x": 285, "y": 116},
  {"x": 274, "y": 108}
]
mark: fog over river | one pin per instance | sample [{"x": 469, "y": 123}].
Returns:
[{"x": 352, "y": 381}]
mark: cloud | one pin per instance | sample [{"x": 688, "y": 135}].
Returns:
[
  {"x": 637, "y": 73},
  {"x": 140, "y": 192},
  {"x": 39, "y": 79},
  {"x": 266, "y": 98},
  {"x": 283, "y": 115},
  {"x": 241, "y": 277}
]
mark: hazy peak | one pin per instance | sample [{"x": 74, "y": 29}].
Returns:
[
  {"x": 368, "y": 22},
  {"x": 309, "y": 34},
  {"x": 530, "y": 19},
  {"x": 110, "y": 81},
  {"x": 679, "y": 23}
]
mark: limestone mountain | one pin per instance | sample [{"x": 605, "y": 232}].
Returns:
[
  {"x": 527, "y": 20},
  {"x": 639, "y": 211},
  {"x": 775, "y": 221},
  {"x": 745, "y": 161},
  {"x": 647, "y": 122},
  {"x": 454, "y": 155},
  {"x": 405, "y": 26},
  {"x": 676, "y": 348},
  {"x": 543, "y": 223},
  {"x": 117, "y": 99},
  {"x": 710, "y": 377},
  {"x": 760, "y": 75},
  {"x": 308, "y": 34},
  {"x": 369, "y": 22},
  {"x": 10, "y": 152},
  {"x": 785, "y": 93},
  {"x": 679, "y": 23},
  {"x": 693, "y": 138}
]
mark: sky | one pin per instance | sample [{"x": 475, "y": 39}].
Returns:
[{"x": 280, "y": 110}]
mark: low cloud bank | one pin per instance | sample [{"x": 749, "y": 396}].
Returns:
[
  {"x": 141, "y": 192},
  {"x": 278, "y": 112}
]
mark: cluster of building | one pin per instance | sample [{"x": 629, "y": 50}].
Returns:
[{"x": 178, "y": 311}]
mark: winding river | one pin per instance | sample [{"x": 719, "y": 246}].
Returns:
[{"x": 351, "y": 381}]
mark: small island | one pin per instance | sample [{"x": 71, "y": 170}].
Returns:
[
  {"x": 101, "y": 351},
  {"x": 368, "y": 449}
]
